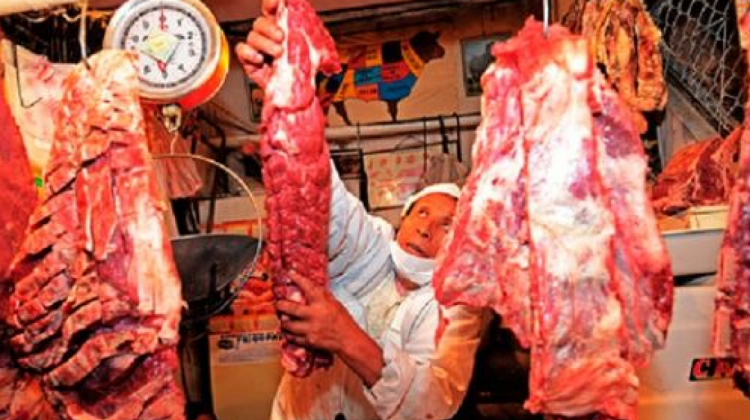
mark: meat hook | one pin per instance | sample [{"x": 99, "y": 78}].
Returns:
[
  {"x": 82, "y": 33},
  {"x": 18, "y": 81},
  {"x": 172, "y": 121},
  {"x": 545, "y": 12}
]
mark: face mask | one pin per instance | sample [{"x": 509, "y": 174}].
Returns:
[{"x": 413, "y": 268}]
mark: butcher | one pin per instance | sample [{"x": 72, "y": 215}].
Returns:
[{"x": 379, "y": 318}]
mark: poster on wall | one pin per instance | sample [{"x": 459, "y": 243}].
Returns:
[
  {"x": 476, "y": 56},
  {"x": 393, "y": 177},
  {"x": 384, "y": 72}
]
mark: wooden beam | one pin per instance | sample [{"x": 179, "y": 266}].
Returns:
[
  {"x": 384, "y": 16},
  {"x": 394, "y": 9}
]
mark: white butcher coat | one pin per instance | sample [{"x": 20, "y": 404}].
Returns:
[{"x": 418, "y": 381}]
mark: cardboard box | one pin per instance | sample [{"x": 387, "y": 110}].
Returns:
[
  {"x": 245, "y": 365},
  {"x": 708, "y": 217}
]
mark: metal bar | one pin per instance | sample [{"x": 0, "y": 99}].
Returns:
[
  {"x": 347, "y": 134},
  {"x": 399, "y": 149}
]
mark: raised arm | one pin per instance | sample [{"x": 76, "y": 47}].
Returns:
[{"x": 358, "y": 244}]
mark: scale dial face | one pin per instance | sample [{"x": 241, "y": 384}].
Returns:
[{"x": 178, "y": 42}]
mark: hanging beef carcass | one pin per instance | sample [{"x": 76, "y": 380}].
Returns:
[
  {"x": 624, "y": 42},
  {"x": 96, "y": 300},
  {"x": 731, "y": 331},
  {"x": 17, "y": 192},
  {"x": 20, "y": 395},
  {"x": 554, "y": 229},
  {"x": 296, "y": 171}
]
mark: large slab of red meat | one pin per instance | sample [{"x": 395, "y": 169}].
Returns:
[
  {"x": 554, "y": 229},
  {"x": 732, "y": 317},
  {"x": 625, "y": 43},
  {"x": 18, "y": 197},
  {"x": 17, "y": 192},
  {"x": 731, "y": 333},
  {"x": 96, "y": 299},
  {"x": 701, "y": 174},
  {"x": 296, "y": 171}
]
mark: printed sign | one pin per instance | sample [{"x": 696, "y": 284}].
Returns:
[
  {"x": 709, "y": 368},
  {"x": 246, "y": 347}
]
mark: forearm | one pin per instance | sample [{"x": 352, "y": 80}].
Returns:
[{"x": 363, "y": 356}]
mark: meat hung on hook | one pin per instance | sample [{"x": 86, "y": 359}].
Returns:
[
  {"x": 19, "y": 197},
  {"x": 624, "y": 41},
  {"x": 296, "y": 164},
  {"x": 95, "y": 295},
  {"x": 731, "y": 330},
  {"x": 17, "y": 191},
  {"x": 554, "y": 229}
]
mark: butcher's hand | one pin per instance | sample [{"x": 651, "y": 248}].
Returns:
[
  {"x": 325, "y": 324},
  {"x": 263, "y": 44}
]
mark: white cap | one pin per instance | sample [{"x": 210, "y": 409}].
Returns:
[{"x": 446, "y": 188}]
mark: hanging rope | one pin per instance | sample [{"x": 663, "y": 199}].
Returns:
[{"x": 82, "y": 34}]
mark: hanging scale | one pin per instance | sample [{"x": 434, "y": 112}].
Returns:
[{"x": 183, "y": 55}]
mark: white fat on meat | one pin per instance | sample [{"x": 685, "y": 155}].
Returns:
[{"x": 282, "y": 80}]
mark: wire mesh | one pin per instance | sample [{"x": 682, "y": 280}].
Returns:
[{"x": 703, "y": 58}]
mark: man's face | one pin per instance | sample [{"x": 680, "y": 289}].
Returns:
[{"x": 422, "y": 230}]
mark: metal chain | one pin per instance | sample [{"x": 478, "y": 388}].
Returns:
[{"x": 702, "y": 54}]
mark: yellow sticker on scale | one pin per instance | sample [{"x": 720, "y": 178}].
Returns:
[{"x": 160, "y": 45}]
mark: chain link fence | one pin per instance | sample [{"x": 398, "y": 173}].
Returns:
[{"x": 703, "y": 58}]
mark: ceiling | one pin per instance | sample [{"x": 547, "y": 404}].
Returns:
[
  {"x": 340, "y": 16},
  {"x": 245, "y": 10},
  {"x": 233, "y": 10},
  {"x": 57, "y": 38}
]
